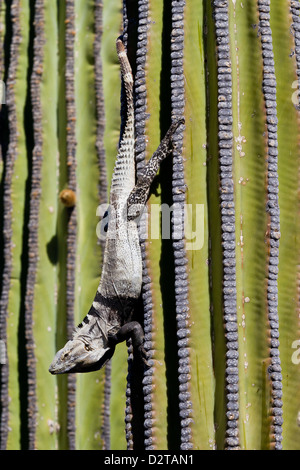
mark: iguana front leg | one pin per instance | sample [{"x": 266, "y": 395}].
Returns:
[
  {"x": 134, "y": 331},
  {"x": 139, "y": 195}
]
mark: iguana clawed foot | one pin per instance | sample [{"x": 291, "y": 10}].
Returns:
[
  {"x": 143, "y": 356},
  {"x": 139, "y": 195},
  {"x": 134, "y": 331}
]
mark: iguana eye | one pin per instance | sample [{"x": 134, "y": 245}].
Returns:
[{"x": 87, "y": 347}]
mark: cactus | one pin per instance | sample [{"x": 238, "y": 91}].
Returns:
[{"x": 220, "y": 301}]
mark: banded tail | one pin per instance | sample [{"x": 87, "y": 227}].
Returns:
[{"x": 123, "y": 180}]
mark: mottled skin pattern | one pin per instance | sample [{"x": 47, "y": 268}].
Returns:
[
  {"x": 109, "y": 320},
  {"x": 139, "y": 195}
]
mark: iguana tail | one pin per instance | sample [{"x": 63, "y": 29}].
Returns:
[{"x": 124, "y": 173}]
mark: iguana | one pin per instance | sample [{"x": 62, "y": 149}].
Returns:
[{"x": 108, "y": 321}]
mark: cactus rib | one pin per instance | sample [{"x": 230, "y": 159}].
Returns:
[
  {"x": 140, "y": 121},
  {"x": 2, "y": 70},
  {"x": 128, "y": 407},
  {"x": 105, "y": 431},
  {"x": 295, "y": 9},
  {"x": 227, "y": 219},
  {"x": 72, "y": 215},
  {"x": 35, "y": 194},
  {"x": 148, "y": 114},
  {"x": 269, "y": 91},
  {"x": 180, "y": 259},
  {"x": 7, "y": 204}
]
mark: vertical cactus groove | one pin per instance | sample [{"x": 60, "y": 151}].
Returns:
[
  {"x": 178, "y": 190},
  {"x": 11, "y": 155},
  {"x": 102, "y": 188},
  {"x": 37, "y": 159},
  {"x": 225, "y": 136},
  {"x": 72, "y": 215},
  {"x": 269, "y": 91}
]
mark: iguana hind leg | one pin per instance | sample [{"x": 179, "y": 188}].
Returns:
[
  {"x": 134, "y": 331},
  {"x": 139, "y": 195}
]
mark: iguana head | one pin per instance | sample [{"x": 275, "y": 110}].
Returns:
[{"x": 87, "y": 351}]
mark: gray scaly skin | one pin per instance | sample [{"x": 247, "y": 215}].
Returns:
[{"x": 109, "y": 320}]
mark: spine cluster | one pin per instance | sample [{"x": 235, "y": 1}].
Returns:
[
  {"x": 72, "y": 214},
  {"x": 178, "y": 190},
  {"x": 7, "y": 212},
  {"x": 269, "y": 91},
  {"x": 225, "y": 136}
]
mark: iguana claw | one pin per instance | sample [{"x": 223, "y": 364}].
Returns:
[{"x": 142, "y": 354}]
